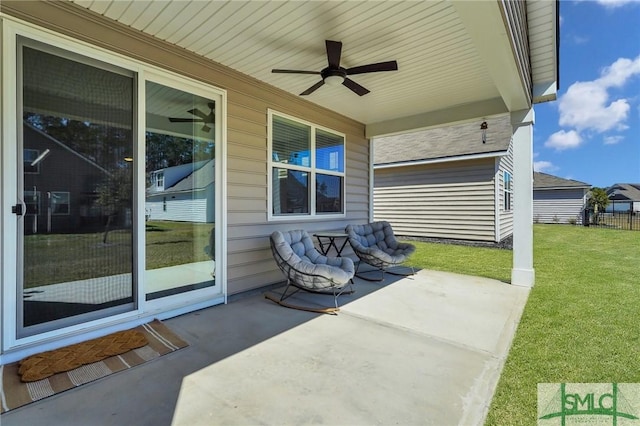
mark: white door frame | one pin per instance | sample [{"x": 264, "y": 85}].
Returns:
[{"x": 13, "y": 348}]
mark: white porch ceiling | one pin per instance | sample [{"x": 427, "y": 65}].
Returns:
[{"x": 440, "y": 65}]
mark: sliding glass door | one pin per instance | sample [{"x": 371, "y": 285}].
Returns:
[
  {"x": 180, "y": 208},
  {"x": 75, "y": 186},
  {"x": 113, "y": 172}
]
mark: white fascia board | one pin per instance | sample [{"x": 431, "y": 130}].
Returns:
[
  {"x": 442, "y": 160},
  {"x": 545, "y": 92}
]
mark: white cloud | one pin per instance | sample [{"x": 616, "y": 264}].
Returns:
[
  {"x": 544, "y": 166},
  {"x": 586, "y": 104},
  {"x": 615, "y": 3},
  {"x": 562, "y": 140},
  {"x": 580, "y": 39},
  {"x": 612, "y": 140},
  {"x": 612, "y": 4}
]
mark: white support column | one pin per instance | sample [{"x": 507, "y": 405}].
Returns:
[{"x": 523, "y": 273}]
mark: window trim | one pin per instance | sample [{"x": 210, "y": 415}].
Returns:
[
  {"x": 507, "y": 193},
  {"x": 312, "y": 170}
]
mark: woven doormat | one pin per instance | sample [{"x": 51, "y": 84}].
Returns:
[{"x": 148, "y": 341}]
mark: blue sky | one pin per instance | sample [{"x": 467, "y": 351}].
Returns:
[{"x": 591, "y": 133}]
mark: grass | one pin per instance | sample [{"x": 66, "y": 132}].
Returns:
[
  {"x": 55, "y": 258},
  {"x": 176, "y": 243},
  {"x": 580, "y": 322},
  {"x": 478, "y": 261}
]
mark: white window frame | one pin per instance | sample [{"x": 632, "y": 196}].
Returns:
[
  {"x": 507, "y": 194},
  {"x": 160, "y": 181},
  {"x": 312, "y": 214}
]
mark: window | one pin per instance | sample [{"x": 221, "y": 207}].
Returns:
[
  {"x": 60, "y": 203},
  {"x": 29, "y": 158},
  {"x": 160, "y": 181},
  {"x": 307, "y": 168},
  {"x": 508, "y": 191},
  {"x": 32, "y": 201}
]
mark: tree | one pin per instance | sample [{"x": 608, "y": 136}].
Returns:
[
  {"x": 115, "y": 195},
  {"x": 598, "y": 200}
]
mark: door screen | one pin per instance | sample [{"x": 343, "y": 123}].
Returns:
[{"x": 76, "y": 183}]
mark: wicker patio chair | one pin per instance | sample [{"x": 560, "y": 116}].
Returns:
[
  {"x": 306, "y": 269},
  {"x": 376, "y": 245}
]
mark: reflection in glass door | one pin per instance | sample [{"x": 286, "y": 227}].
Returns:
[
  {"x": 75, "y": 168},
  {"x": 180, "y": 192}
]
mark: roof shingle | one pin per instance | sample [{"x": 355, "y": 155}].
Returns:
[{"x": 442, "y": 142}]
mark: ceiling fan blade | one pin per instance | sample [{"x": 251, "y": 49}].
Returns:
[
  {"x": 334, "y": 51},
  {"x": 185, "y": 120},
  {"x": 295, "y": 72},
  {"x": 313, "y": 88},
  {"x": 205, "y": 128},
  {"x": 198, "y": 113},
  {"x": 355, "y": 87},
  {"x": 380, "y": 66}
]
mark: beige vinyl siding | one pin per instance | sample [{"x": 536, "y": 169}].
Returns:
[
  {"x": 506, "y": 217},
  {"x": 558, "y": 205},
  {"x": 452, "y": 200},
  {"x": 250, "y": 264}
]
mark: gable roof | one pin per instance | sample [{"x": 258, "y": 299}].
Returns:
[
  {"x": 201, "y": 177},
  {"x": 63, "y": 146},
  {"x": 546, "y": 181},
  {"x": 624, "y": 191},
  {"x": 445, "y": 143}
]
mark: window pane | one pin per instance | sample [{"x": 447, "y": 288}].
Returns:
[
  {"x": 328, "y": 194},
  {"x": 290, "y": 191},
  {"x": 329, "y": 151},
  {"x": 180, "y": 195},
  {"x": 291, "y": 142},
  {"x": 30, "y": 164},
  {"x": 59, "y": 203}
]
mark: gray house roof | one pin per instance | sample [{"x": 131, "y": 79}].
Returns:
[
  {"x": 450, "y": 142},
  {"x": 546, "y": 181},
  {"x": 200, "y": 178},
  {"x": 624, "y": 191}
]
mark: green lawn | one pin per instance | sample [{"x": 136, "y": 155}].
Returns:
[
  {"x": 580, "y": 323},
  {"x": 55, "y": 258}
]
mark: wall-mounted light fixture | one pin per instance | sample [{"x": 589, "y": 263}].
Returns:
[{"x": 483, "y": 127}]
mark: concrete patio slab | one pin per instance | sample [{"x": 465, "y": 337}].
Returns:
[{"x": 427, "y": 349}]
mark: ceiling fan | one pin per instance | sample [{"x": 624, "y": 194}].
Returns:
[
  {"x": 202, "y": 117},
  {"x": 334, "y": 74}
]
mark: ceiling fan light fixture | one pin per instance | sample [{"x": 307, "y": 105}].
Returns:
[{"x": 333, "y": 80}]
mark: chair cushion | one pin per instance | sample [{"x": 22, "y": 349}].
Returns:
[
  {"x": 298, "y": 252},
  {"x": 377, "y": 240}
]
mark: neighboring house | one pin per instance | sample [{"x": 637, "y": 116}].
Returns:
[
  {"x": 201, "y": 73},
  {"x": 182, "y": 193},
  {"x": 451, "y": 182},
  {"x": 60, "y": 186},
  {"x": 558, "y": 200},
  {"x": 624, "y": 198}
]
